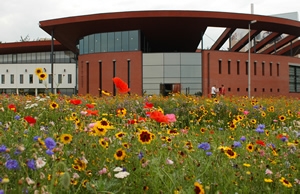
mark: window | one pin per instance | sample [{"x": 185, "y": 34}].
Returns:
[
  {"x": 40, "y": 81},
  {"x": 246, "y": 67},
  {"x": 12, "y": 79},
  {"x": 278, "y": 69},
  {"x": 31, "y": 78},
  {"x": 229, "y": 66},
  {"x": 263, "y": 68},
  {"x": 238, "y": 67},
  {"x": 69, "y": 78},
  {"x": 270, "y": 68},
  {"x": 254, "y": 67},
  {"x": 2, "y": 79},
  {"x": 21, "y": 78},
  {"x": 50, "y": 78},
  {"x": 220, "y": 66},
  {"x": 294, "y": 79},
  {"x": 59, "y": 78}
]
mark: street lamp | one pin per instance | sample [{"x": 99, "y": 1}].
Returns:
[{"x": 249, "y": 62}]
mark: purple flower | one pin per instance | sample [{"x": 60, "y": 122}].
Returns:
[
  {"x": 208, "y": 153},
  {"x": 12, "y": 164},
  {"x": 243, "y": 138},
  {"x": 49, "y": 152},
  {"x": 36, "y": 138},
  {"x": 205, "y": 146},
  {"x": 237, "y": 144},
  {"x": 50, "y": 143},
  {"x": 31, "y": 164},
  {"x": 141, "y": 155},
  {"x": 1, "y": 191},
  {"x": 2, "y": 148},
  {"x": 284, "y": 139},
  {"x": 17, "y": 117},
  {"x": 260, "y": 130}
]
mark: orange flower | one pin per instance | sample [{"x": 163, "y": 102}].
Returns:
[
  {"x": 260, "y": 142},
  {"x": 121, "y": 85},
  {"x": 75, "y": 101},
  {"x": 12, "y": 107},
  {"x": 159, "y": 117},
  {"x": 92, "y": 112}
]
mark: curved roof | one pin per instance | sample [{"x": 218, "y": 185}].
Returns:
[
  {"x": 169, "y": 30},
  {"x": 30, "y": 47}
]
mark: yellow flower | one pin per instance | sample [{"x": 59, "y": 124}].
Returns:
[
  {"x": 120, "y": 154},
  {"x": 54, "y": 105},
  {"x": 66, "y": 138},
  {"x": 285, "y": 182},
  {"x": 42, "y": 76},
  {"x": 198, "y": 188},
  {"x": 38, "y": 71},
  {"x": 268, "y": 180},
  {"x": 247, "y": 165}
]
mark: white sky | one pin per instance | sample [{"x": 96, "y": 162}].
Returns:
[{"x": 20, "y": 18}]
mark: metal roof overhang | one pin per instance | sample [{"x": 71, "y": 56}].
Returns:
[{"x": 172, "y": 30}]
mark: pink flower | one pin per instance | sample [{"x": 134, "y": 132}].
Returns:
[
  {"x": 268, "y": 171},
  {"x": 171, "y": 118},
  {"x": 184, "y": 131},
  {"x": 103, "y": 171},
  {"x": 168, "y": 161},
  {"x": 246, "y": 112}
]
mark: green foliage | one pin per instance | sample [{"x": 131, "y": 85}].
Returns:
[{"x": 85, "y": 157}]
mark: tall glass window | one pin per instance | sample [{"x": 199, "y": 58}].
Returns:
[
  {"x": 103, "y": 42},
  {"x": 85, "y": 45},
  {"x": 133, "y": 40},
  {"x": 59, "y": 78},
  {"x": 118, "y": 41},
  {"x": 21, "y": 78},
  {"x": 97, "y": 43},
  {"x": 12, "y": 78},
  {"x": 2, "y": 79},
  {"x": 31, "y": 78},
  {"x": 91, "y": 43},
  {"x": 69, "y": 78},
  {"x": 111, "y": 42},
  {"x": 125, "y": 44}
]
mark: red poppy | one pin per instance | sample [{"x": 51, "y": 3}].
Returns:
[
  {"x": 89, "y": 105},
  {"x": 121, "y": 85},
  {"x": 260, "y": 142},
  {"x": 92, "y": 112},
  {"x": 148, "y": 105},
  {"x": 281, "y": 136},
  {"x": 30, "y": 120},
  {"x": 12, "y": 107},
  {"x": 75, "y": 101},
  {"x": 159, "y": 117}
]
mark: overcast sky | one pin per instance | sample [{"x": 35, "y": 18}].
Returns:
[{"x": 20, "y": 18}]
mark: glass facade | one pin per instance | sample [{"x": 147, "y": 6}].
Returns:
[
  {"x": 184, "y": 69},
  {"x": 110, "y": 42},
  {"x": 39, "y": 57},
  {"x": 294, "y": 78}
]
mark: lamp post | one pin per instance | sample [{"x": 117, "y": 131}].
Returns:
[{"x": 249, "y": 59}]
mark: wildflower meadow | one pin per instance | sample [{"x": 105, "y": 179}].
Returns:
[{"x": 149, "y": 144}]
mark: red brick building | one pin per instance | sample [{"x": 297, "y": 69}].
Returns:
[{"x": 157, "y": 52}]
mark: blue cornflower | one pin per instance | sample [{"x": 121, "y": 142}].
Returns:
[
  {"x": 261, "y": 126},
  {"x": 237, "y": 144},
  {"x": 284, "y": 139},
  {"x": 243, "y": 138},
  {"x": 31, "y": 164},
  {"x": 49, "y": 152},
  {"x": 221, "y": 129},
  {"x": 205, "y": 146},
  {"x": 50, "y": 143},
  {"x": 2, "y": 148},
  {"x": 12, "y": 164},
  {"x": 17, "y": 117},
  {"x": 36, "y": 138},
  {"x": 141, "y": 155},
  {"x": 17, "y": 152},
  {"x": 1, "y": 191},
  {"x": 208, "y": 153},
  {"x": 260, "y": 130}
]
